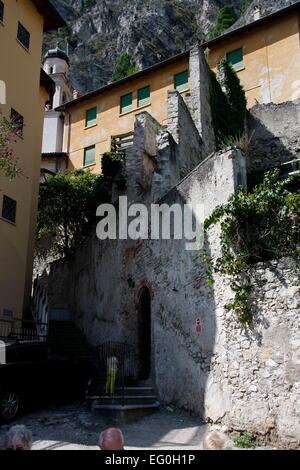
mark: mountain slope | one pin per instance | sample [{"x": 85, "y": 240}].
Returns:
[{"x": 149, "y": 30}]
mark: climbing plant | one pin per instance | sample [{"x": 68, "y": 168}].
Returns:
[
  {"x": 228, "y": 104},
  {"x": 68, "y": 203},
  {"x": 263, "y": 224},
  {"x": 9, "y": 165}
]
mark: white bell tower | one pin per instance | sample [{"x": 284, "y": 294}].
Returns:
[{"x": 56, "y": 64}]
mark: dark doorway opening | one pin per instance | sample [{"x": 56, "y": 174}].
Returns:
[{"x": 144, "y": 333}]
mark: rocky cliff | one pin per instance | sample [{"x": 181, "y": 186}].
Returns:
[{"x": 150, "y": 30}]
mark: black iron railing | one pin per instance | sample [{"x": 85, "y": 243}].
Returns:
[
  {"x": 23, "y": 330},
  {"x": 115, "y": 369}
]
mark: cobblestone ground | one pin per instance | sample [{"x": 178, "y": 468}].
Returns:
[{"x": 74, "y": 427}]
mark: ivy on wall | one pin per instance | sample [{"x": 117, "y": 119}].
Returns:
[
  {"x": 255, "y": 226},
  {"x": 9, "y": 165},
  {"x": 228, "y": 104}
]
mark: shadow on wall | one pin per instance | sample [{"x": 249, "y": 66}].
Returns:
[{"x": 275, "y": 131}]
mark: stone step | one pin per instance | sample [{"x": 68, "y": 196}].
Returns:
[
  {"x": 135, "y": 391},
  {"x": 127, "y": 400},
  {"x": 119, "y": 407}
]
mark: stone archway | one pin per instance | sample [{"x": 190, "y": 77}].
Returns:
[{"x": 144, "y": 333}]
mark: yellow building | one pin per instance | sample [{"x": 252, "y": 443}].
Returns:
[
  {"x": 22, "y": 24},
  {"x": 265, "y": 54},
  {"x": 92, "y": 120}
]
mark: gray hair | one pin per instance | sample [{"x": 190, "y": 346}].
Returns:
[
  {"x": 110, "y": 433},
  {"x": 18, "y": 434}
]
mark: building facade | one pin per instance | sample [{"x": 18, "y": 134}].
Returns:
[
  {"x": 265, "y": 55},
  {"x": 22, "y": 25},
  {"x": 56, "y": 64}
]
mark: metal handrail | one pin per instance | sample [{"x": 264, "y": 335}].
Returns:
[{"x": 23, "y": 330}]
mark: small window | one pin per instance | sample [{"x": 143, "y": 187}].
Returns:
[
  {"x": 144, "y": 96},
  {"x": 91, "y": 117},
  {"x": 23, "y": 36},
  {"x": 89, "y": 155},
  {"x": 236, "y": 58},
  {"x": 126, "y": 103},
  {"x": 17, "y": 121},
  {"x": 9, "y": 209},
  {"x": 1, "y": 10},
  {"x": 181, "y": 81}
]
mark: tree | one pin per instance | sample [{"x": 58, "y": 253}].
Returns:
[
  {"x": 124, "y": 67},
  {"x": 8, "y": 161},
  {"x": 68, "y": 202},
  {"x": 226, "y": 18},
  {"x": 67, "y": 208},
  {"x": 236, "y": 98}
]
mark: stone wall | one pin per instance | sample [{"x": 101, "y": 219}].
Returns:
[
  {"x": 248, "y": 380},
  {"x": 275, "y": 135}
]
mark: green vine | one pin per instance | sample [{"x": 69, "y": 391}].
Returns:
[{"x": 255, "y": 226}]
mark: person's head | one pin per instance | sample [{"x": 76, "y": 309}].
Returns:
[
  {"x": 18, "y": 438},
  {"x": 216, "y": 440},
  {"x": 111, "y": 439}
]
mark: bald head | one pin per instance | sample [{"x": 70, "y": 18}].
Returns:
[{"x": 111, "y": 439}]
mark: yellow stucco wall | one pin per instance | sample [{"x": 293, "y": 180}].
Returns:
[
  {"x": 20, "y": 70},
  {"x": 271, "y": 60},
  {"x": 109, "y": 120}
]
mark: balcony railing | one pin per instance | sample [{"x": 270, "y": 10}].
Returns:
[
  {"x": 121, "y": 142},
  {"x": 23, "y": 330}
]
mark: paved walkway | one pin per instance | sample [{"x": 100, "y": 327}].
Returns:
[{"x": 74, "y": 428}]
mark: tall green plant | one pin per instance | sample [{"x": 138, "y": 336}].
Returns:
[{"x": 228, "y": 104}]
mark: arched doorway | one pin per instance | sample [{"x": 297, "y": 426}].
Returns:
[{"x": 144, "y": 333}]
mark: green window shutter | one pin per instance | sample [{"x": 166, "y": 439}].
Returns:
[
  {"x": 91, "y": 117},
  {"x": 126, "y": 103},
  {"x": 144, "y": 96},
  {"x": 181, "y": 81},
  {"x": 236, "y": 58},
  {"x": 89, "y": 155}
]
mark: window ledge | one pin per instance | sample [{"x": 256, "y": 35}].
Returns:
[
  {"x": 8, "y": 221},
  {"x": 143, "y": 106},
  {"x": 90, "y": 127},
  {"x": 127, "y": 112},
  {"x": 88, "y": 166},
  {"x": 239, "y": 69},
  {"x": 22, "y": 45}
]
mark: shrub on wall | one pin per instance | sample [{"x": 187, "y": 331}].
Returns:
[{"x": 255, "y": 226}]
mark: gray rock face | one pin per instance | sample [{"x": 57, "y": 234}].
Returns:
[{"x": 150, "y": 31}]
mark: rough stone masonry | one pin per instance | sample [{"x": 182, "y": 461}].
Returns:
[{"x": 248, "y": 380}]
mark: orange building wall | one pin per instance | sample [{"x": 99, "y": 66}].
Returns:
[
  {"x": 109, "y": 120},
  {"x": 271, "y": 59}
]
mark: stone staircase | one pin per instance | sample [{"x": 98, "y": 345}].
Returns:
[
  {"x": 65, "y": 335},
  {"x": 127, "y": 404}
]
